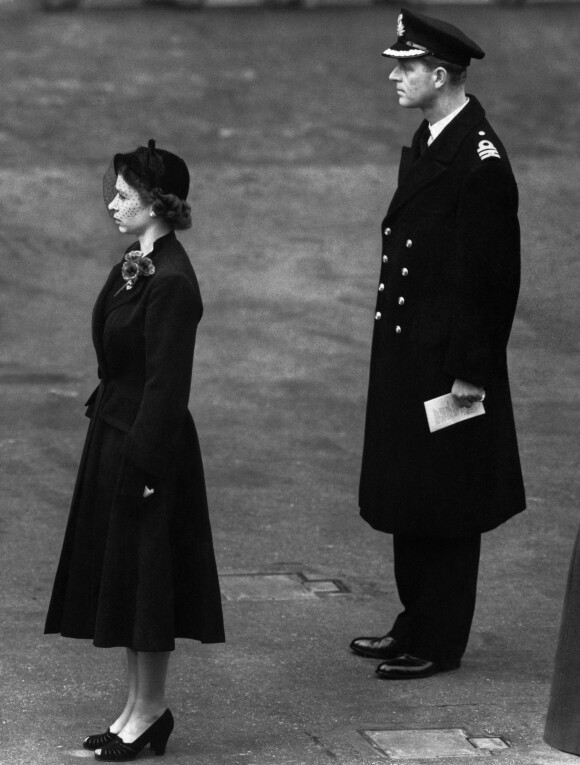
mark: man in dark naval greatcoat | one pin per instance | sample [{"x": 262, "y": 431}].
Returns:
[{"x": 449, "y": 282}]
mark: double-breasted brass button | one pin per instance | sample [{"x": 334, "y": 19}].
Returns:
[
  {"x": 401, "y": 301},
  {"x": 381, "y": 287},
  {"x": 378, "y": 315},
  {"x": 387, "y": 231},
  {"x": 398, "y": 330},
  {"x": 405, "y": 271},
  {"x": 385, "y": 259}
]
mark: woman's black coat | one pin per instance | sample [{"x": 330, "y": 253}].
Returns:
[
  {"x": 449, "y": 283},
  {"x": 134, "y": 571}
]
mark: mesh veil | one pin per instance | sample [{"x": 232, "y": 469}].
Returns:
[{"x": 109, "y": 181}]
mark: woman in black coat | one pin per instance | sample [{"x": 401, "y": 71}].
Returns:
[{"x": 137, "y": 568}]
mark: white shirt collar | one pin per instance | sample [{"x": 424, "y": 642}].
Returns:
[{"x": 437, "y": 127}]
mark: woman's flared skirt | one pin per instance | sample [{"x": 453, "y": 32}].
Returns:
[{"x": 137, "y": 572}]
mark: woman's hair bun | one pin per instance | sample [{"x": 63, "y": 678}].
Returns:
[{"x": 176, "y": 211}]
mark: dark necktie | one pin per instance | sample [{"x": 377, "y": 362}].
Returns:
[{"x": 423, "y": 138}]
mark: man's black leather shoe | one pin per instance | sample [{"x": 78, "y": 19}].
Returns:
[
  {"x": 385, "y": 647},
  {"x": 407, "y": 667}
]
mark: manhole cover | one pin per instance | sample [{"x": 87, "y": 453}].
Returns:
[{"x": 293, "y": 586}]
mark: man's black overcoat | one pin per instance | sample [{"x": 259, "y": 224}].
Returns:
[
  {"x": 447, "y": 294},
  {"x": 134, "y": 571}
]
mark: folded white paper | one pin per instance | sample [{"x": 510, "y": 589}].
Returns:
[{"x": 445, "y": 411}]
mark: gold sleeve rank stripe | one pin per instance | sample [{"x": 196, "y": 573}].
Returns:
[{"x": 486, "y": 149}]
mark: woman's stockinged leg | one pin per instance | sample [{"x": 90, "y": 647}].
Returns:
[
  {"x": 150, "y": 673},
  {"x": 121, "y": 721},
  {"x": 95, "y": 741},
  {"x": 149, "y": 702}
]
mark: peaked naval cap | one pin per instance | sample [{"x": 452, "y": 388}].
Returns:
[
  {"x": 156, "y": 168},
  {"x": 420, "y": 35}
]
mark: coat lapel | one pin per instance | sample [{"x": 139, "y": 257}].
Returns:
[
  {"x": 416, "y": 172},
  {"x": 406, "y": 163},
  {"x": 122, "y": 295},
  {"x": 422, "y": 172},
  {"x": 105, "y": 304}
]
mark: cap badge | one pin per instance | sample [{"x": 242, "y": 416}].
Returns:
[{"x": 400, "y": 26}]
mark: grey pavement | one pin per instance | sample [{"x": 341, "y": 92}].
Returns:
[{"x": 293, "y": 136}]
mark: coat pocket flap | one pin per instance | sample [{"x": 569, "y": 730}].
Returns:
[
  {"x": 119, "y": 411},
  {"x": 91, "y": 401}
]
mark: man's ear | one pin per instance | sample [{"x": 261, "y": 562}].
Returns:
[{"x": 440, "y": 76}]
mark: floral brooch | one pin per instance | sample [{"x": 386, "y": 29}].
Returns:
[{"x": 136, "y": 264}]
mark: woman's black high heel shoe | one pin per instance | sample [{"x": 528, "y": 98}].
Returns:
[
  {"x": 156, "y": 736},
  {"x": 99, "y": 740}
]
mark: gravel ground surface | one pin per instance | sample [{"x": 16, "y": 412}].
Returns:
[{"x": 292, "y": 134}]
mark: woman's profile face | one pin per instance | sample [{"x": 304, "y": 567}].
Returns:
[{"x": 129, "y": 211}]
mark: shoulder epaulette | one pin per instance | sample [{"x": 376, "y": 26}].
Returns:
[{"x": 486, "y": 149}]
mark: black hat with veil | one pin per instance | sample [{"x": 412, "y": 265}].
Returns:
[{"x": 156, "y": 170}]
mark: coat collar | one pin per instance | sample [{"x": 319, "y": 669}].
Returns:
[
  {"x": 159, "y": 244},
  {"x": 418, "y": 171}
]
